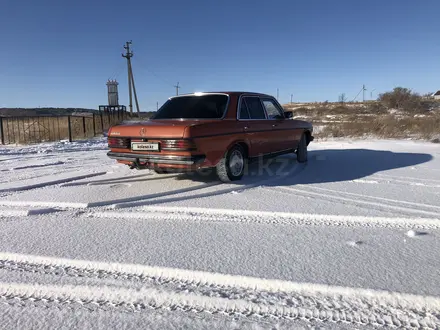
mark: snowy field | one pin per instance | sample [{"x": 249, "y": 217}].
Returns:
[{"x": 351, "y": 240}]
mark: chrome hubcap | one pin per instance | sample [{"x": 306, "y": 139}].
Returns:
[{"x": 236, "y": 163}]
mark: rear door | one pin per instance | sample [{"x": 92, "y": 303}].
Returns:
[{"x": 255, "y": 124}]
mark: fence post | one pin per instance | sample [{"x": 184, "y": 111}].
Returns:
[
  {"x": 70, "y": 128},
  {"x": 102, "y": 123},
  {"x": 94, "y": 125},
  {"x": 39, "y": 129},
  {"x": 59, "y": 133},
  {"x": 2, "y": 133},
  {"x": 84, "y": 126},
  {"x": 35, "y": 131}
]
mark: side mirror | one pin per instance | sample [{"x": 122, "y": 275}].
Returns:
[{"x": 288, "y": 114}]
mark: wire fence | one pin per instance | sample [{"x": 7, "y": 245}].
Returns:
[{"x": 36, "y": 129}]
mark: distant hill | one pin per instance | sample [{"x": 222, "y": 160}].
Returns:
[
  {"x": 20, "y": 112},
  {"x": 147, "y": 114},
  {"x": 29, "y": 112}
]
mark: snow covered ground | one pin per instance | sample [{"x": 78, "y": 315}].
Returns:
[{"x": 349, "y": 240}]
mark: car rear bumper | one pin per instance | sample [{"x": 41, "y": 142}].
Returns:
[{"x": 157, "y": 159}]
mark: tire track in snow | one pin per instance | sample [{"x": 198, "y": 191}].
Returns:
[
  {"x": 35, "y": 166},
  {"x": 26, "y": 157},
  {"x": 406, "y": 178},
  {"x": 140, "y": 200},
  {"x": 58, "y": 205},
  {"x": 279, "y": 218},
  {"x": 162, "y": 197},
  {"x": 380, "y": 199},
  {"x": 140, "y": 300},
  {"x": 217, "y": 293},
  {"x": 51, "y": 183},
  {"x": 295, "y": 170},
  {"x": 401, "y": 181},
  {"x": 357, "y": 201},
  {"x": 122, "y": 201},
  {"x": 145, "y": 177},
  {"x": 24, "y": 212}
]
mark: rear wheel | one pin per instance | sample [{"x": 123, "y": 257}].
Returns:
[
  {"x": 231, "y": 166},
  {"x": 301, "y": 152}
]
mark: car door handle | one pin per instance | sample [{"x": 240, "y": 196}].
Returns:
[
  {"x": 274, "y": 125},
  {"x": 246, "y": 127}
]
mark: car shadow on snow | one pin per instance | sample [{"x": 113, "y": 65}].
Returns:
[{"x": 322, "y": 166}]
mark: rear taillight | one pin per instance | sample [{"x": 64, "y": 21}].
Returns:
[
  {"x": 118, "y": 143},
  {"x": 178, "y": 145}
]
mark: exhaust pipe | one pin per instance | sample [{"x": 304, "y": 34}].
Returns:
[{"x": 135, "y": 165}]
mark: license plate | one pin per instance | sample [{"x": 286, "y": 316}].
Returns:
[{"x": 145, "y": 146}]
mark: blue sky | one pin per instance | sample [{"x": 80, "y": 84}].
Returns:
[{"x": 61, "y": 53}]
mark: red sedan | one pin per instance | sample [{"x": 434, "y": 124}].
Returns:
[{"x": 221, "y": 130}]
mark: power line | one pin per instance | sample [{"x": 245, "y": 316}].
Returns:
[
  {"x": 118, "y": 73},
  {"x": 154, "y": 74},
  {"x": 118, "y": 70}
]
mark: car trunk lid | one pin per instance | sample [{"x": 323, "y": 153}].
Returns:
[
  {"x": 167, "y": 129},
  {"x": 153, "y": 135}
]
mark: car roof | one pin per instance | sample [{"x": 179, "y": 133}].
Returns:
[{"x": 230, "y": 93}]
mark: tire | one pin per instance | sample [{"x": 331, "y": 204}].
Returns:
[
  {"x": 301, "y": 152},
  {"x": 231, "y": 167}
]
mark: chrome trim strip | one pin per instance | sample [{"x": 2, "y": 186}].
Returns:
[
  {"x": 157, "y": 159},
  {"x": 273, "y": 154},
  {"x": 178, "y": 149}
]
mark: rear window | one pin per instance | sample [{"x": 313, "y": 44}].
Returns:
[{"x": 193, "y": 107}]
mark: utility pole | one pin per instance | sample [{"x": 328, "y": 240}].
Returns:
[
  {"x": 131, "y": 87},
  {"x": 134, "y": 89},
  {"x": 278, "y": 94},
  {"x": 342, "y": 98},
  {"x": 177, "y": 88},
  {"x": 128, "y": 55}
]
